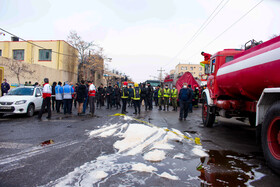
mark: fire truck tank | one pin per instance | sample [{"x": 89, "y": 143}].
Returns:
[{"x": 251, "y": 71}]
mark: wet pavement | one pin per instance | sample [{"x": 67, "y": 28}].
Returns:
[{"x": 109, "y": 150}]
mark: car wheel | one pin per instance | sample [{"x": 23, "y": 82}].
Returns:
[{"x": 30, "y": 110}]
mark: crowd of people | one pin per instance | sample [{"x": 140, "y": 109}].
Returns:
[{"x": 62, "y": 97}]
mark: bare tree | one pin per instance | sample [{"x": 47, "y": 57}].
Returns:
[
  {"x": 19, "y": 69},
  {"x": 82, "y": 46}
]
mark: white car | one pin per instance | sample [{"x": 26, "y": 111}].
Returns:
[{"x": 21, "y": 100}]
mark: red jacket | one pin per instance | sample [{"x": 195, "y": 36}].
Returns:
[{"x": 47, "y": 90}]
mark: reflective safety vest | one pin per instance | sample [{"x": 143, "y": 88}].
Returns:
[
  {"x": 174, "y": 93},
  {"x": 136, "y": 93},
  {"x": 166, "y": 93},
  {"x": 125, "y": 93},
  {"x": 160, "y": 93}
]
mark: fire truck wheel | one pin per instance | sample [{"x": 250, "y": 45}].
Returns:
[
  {"x": 208, "y": 114},
  {"x": 271, "y": 137}
]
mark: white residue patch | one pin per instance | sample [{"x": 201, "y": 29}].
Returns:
[
  {"x": 179, "y": 155},
  {"x": 143, "y": 168},
  {"x": 108, "y": 133},
  {"x": 168, "y": 176},
  {"x": 155, "y": 155},
  {"x": 101, "y": 130},
  {"x": 197, "y": 150},
  {"x": 134, "y": 135}
]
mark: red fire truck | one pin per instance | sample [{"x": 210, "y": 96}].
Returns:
[{"x": 246, "y": 83}]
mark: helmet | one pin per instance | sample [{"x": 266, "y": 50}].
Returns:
[
  {"x": 136, "y": 84},
  {"x": 46, "y": 80},
  {"x": 125, "y": 83}
]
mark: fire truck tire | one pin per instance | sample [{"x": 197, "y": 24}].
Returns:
[
  {"x": 208, "y": 114},
  {"x": 270, "y": 137}
]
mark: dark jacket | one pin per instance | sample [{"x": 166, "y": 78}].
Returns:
[
  {"x": 143, "y": 92},
  {"x": 130, "y": 92},
  {"x": 117, "y": 92},
  {"x": 185, "y": 94},
  {"x": 5, "y": 87},
  {"x": 109, "y": 91},
  {"x": 101, "y": 92},
  {"x": 150, "y": 91},
  {"x": 81, "y": 93},
  {"x": 156, "y": 92}
]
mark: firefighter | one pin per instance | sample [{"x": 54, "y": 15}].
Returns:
[
  {"x": 144, "y": 95},
  {"x": 136, "y": 98},
  {"x": 174, "y": 97},
  {"x": 124, "y": 96},
  {"x": 190, "y": 99},
  {"x": 160, "y": 98},
  {"x": 196, "y": 95},
  {"x": 166, "y": 96},
  {"x": 47, "y": 93}
]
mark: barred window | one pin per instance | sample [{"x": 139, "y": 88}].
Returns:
[
  {"x": 18, "y": 54},
  {"x": 45, "y": 54}
]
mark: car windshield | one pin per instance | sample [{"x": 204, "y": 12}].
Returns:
[{"x": 21, "y": 91}]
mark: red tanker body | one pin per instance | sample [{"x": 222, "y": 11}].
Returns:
[
  {"x": 246, "y": 83},
  {"x": 251, "y": 71}
]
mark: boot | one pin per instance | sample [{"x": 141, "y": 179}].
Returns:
[
  {"x": 164, "y": 109},
  {"x": 135, "y": 112}
]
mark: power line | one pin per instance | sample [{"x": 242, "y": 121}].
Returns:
[
  {"x": 201, "y": 28},
  {"x": 36, "y": 44},
  {"x": 230, "y": 27}
]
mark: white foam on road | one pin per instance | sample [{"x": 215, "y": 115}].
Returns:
[
  {"x": 155, "y": 155},
  {"x": 168, "y": 176},
  {"x": 143, "y": 168},
  {"x": 136, "y": 139},
  {"x": 179, "y": 155},
  {"x": 197, "y": 150}
]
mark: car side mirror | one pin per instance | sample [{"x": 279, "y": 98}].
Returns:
[{"x": 38, "y": 95}]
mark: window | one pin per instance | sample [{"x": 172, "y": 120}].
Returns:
[
  {"x": 200, "y": 68},
  {"x": 191, "y": 68},
  {"x": 0, "y": 52},
  {"x": 182, "y": 68},
  {"x": 229, "y": 58},
  {"x": 186, "y": 68},
  {"x": 45, "y": 54},
  {"x": 38, "y": 92},
  {"x": 18, "y": 54},
  {"x": 213, "y": 66}
]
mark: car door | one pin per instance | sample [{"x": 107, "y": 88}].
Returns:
[{"x": 38, "y": 99}]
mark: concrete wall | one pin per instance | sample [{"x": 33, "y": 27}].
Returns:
[{"x": 40, "y": 72}]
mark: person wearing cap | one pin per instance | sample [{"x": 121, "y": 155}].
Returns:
[
  {"x": 47, "y": 93},
  {"x": 5, "y": 87},
  {"x": 91, "y": 97},
  {"x": 174, "y": 97},
  {"x": 136, "y": 98},
  {"x": 160, "y": 98},
  {"x": 124, "y": 96},
  {"x": 67, "y": 97},
  {"x": 166, "y": 96}
]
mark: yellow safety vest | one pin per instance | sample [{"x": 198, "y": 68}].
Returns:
[
  {"x": 174, "y": 93},
  {"x": 166, "y": 93},
  {"x": 123, "y": 92},
  {"x": 136, "y": 97},
  {"x": 159, "y": 93}
]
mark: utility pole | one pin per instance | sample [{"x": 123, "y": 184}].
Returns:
[{"x": 160, "y": 74}]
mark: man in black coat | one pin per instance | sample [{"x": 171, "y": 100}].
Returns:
[
  {"x": 117, "y": 96},
  {"x": 109, "y": 95},
  {"x": 144, "y": 95},
  {"x": 100, "y": 96},
  {"x": 150, "y": 92},
  {"x": 185, "y": 97}
]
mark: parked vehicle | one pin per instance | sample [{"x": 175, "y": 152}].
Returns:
[
  {"x": 21, "y": 100},
  {"x": 246, "y": 83}
]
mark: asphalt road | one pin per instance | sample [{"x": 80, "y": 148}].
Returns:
[{"x": 82, "y": 154}]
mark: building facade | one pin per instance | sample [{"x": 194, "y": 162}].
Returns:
[
  {"x": 195, "y": 69},
  {"x": 53, "y": 54}
]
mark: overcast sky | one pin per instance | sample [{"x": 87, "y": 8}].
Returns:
[{"x": 141, "y": 36}]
